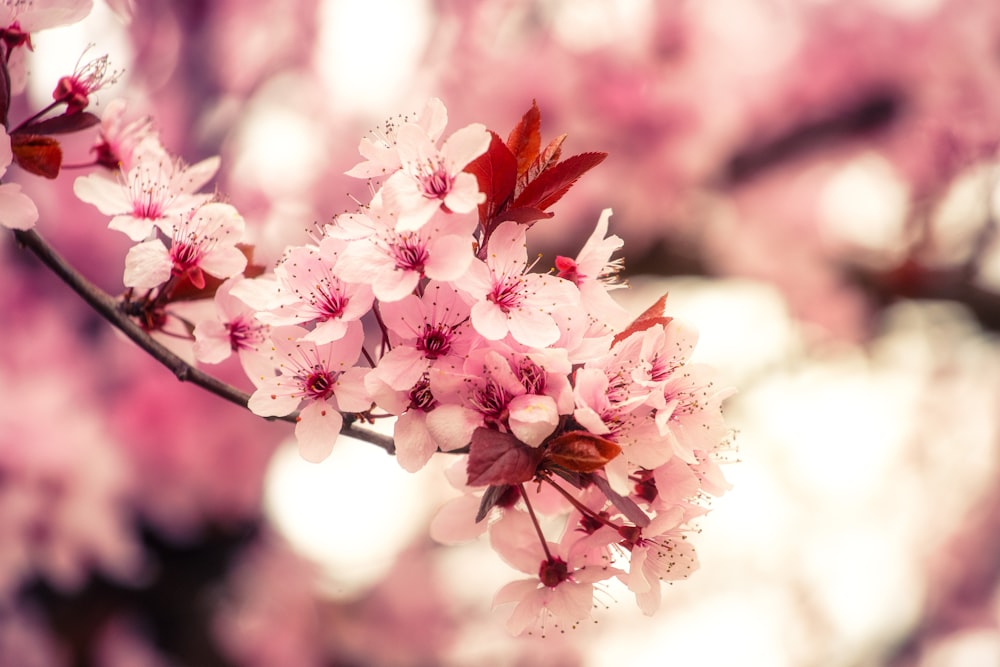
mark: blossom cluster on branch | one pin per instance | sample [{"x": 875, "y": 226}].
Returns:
[{"x": 587, "y": 440}]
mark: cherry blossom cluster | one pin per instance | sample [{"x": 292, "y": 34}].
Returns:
[{"x": 586, "y": 441}]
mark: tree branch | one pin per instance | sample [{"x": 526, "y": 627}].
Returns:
[{"x": 108, "y": 307}]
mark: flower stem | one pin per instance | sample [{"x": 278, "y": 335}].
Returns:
[
  {"x": 534, "y": 520},
  {"x": 109, "y": 308}
]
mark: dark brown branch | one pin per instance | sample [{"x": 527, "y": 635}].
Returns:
[{"x": 108, "y": 308}]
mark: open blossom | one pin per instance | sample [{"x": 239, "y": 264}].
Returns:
[
  {"x": 308, "y": 290},
  {"x": 659, "y": 552},
  {"x": 158, "y": 190},
  {"x": 561, "y": 591},
  {"x": 523, "y": 393},
  {"x": 594, "y": 273},
  {"x": 394, "y": 262},
  {"x": 431, "y": 178},
  {"x": 509, "y": 300},
  {"x": 233, "y": 330},
  {"x": 425, "y": 331},
  {"x": 379, "y": 148},
  {"x": 204, "y": 241},
  {"x": 320, "y": 376},
  {"x": 17, "y": 211}
]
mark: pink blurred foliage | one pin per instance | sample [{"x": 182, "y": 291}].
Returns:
[
  {"x": 64, "y": 499},
  {"x": 710, "y": 128},
  {"x": 194, "y": 469}
]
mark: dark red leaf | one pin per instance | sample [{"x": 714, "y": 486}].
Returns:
[
  {"x": 37, "y": 155},
  {"x": 525, "y": 140},
  {"x": 496, "y": 172},
  {"x": 555, "y": 181},
  {"x": 581, "y": 451},
  {"x": 525, "y": 215},
  {"x": 650, "y": 317},
  {"x": 499, "y": 458},
  {"x": 545, "y": 159},
  {"x": 67, "y": 122}
]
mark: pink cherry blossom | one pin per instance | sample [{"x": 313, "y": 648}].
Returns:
[
  {"x": 307, "y": 289},
  {"x": 394, "y": 262},
  {"x": 524, "y": 393},
  {"x": 119, "y": 138},
  {"x": 689, "y": 412},
  {"x": 659, "y": 552},
  {"x": 17, "y": 211},
  {"x": 203, "y": 242},
  {"x": 157, "y": 191},
  {"x": 509, "y": 300},
  {"x": 234, "y": 329},
  {"x": 561, "y": 592},
  {"x": 380, "y": 146},
  {"x": 426, "y": 331},
  {"x": 322, "y": 377},
  {"x": 432, "y": 178},
  {"x": 595, "y": 274}
]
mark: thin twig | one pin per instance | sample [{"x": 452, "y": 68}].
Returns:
[{"x": 108, "y": 308}]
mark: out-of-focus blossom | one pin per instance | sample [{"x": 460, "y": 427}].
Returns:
[
  {"x": 75, "y": 90},
  {"x": 17, "y": 211},
  {"x": 20, "y": 18},
  {"x": 157, "y": 191},
  {"x": 119, "y": 138}
]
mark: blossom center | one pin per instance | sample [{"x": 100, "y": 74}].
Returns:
[
  {"x": 553, "y": 572},
  {"x": 318, "y": 385},
  {"x": 490, "y": 400},
  {"x": 244, "y": 334},
  {"x": 532, "y": 376},
  {"x": 435, "y": 341},
  {"x": 421, "y": 397},
  {"x": 409, "y": 253},
  {"x": 506, "y": 294},
  {"x": 436, "y": 181},
  {"x": 330, "y": 301}
]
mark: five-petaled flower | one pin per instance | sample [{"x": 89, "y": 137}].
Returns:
[
  {"x": 203, "y": 241},
  {"x": 430, "y": 178},
  {"x": 320, "y": 376}
]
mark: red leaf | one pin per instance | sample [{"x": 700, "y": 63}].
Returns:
[
  {"x": 37, "y": 155},
  {"x": 67, "y": 122},
  {"x": 581, "y": 451},
  {"x": 525, "y": 140},
  {"x": 525, "y": 214},
  {"x": 545, "y": 159},
  {"x": 496, "y": 172},
  {"x": 500, "y": 458},
  {"x": 650, "y": 317},
  {"x": 555, "y": 181}
]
